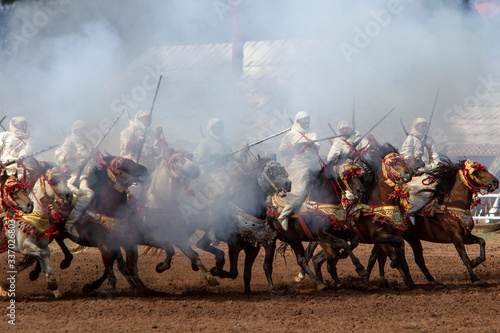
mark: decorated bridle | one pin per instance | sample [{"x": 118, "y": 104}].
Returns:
[
  {"x": 467, "y": 175},
  {"x": 172, "y": 165},
  {"x": 350, "y": 170},
  {"x": 11, "y": 186},
  {"x": 115, "y": 172},
  {"x": 264, "y": 179},
  {"x": 52, "y": 177}
]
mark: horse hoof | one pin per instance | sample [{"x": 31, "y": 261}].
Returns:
[
  {"x": 321, "y": 286},
  {"x": 195, "y": 268},
  {"x": 162, "y": 267},
  {"x": 57, "y": 294},
  {"x": 214, "y": 271},
  {"x": 479, "y": 283},
  {"x": 52, "y": 286},
  {"x": 212, "y": 282},
  {"x": 65, "y": 264},
  {"x": 362, "y": 273},
  {"x": 34, "y": 275},
  {"x": 87, "y": 289}
]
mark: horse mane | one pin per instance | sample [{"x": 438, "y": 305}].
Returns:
[
  {"x": 445, "y": 175},
  {"x": 373, "y": 160}
]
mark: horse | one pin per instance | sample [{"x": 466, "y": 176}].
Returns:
[
  {"x": 447, "y": 218},
  {"x": 216, "y": 204},
  {"x": 321, "y": 218},
  {"x": 163, "y": 224},
  {"x": 379, "y": 219},
  {"x": 105, "y": 223},
  {"x": 35, "y": 230},
  {"x": 241, "y": 222}
]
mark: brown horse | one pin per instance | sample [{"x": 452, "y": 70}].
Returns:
[
  {"x": 105, "y": 225},
  {"x": 447, "y": 218},
  {"x": 380, "y": 219},
  {"x": 320, "y": 218}
]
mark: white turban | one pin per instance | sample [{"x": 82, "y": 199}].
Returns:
[
  {"x": 344, "y": 124},
  {"x": 414, "y": 126},
  {"x": 300, "y": 115},
  {"x": 14, "y": 122},
  {"x": 78, "y": 124}
]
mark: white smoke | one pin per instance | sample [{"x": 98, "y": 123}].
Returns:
[{"x": 64, "y": 60}]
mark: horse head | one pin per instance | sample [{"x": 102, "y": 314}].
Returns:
[
  {"x": 273, "y": 177},
  {"x": 350, "y": 174},
  {"x": 181, "y": 167},
  {"x": 56, "y": 186},
  {"x": 476, "y": 176},
  {"x": 126, "y": 171},
  {"x": 395, "y": 169},
  {"x": 15, "y": 194}
]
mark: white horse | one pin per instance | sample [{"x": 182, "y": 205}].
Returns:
[
  {"x": 164, "y": 224},
  {"x": 33, "y": 230}
]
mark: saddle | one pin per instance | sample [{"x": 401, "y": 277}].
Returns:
[{"x": 334, "y": 214}]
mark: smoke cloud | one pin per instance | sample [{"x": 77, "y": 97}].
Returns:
[{"x": 64, "y": 60}]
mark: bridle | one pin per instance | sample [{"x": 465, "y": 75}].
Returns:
[{"x": 264, "y": 179}]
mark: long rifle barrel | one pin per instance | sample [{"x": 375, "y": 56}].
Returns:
[
  {"x": 260, "y": 141},
  {"x": 150, "y": 119}
]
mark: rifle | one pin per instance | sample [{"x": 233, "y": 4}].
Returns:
[
  {"x": 430, "y": 119},
  {"x": 86, "y": 160},
  {"x": 371, "y": 129},
  {"x": 404, "y": 129},
  {"x": 150, "y": 118},
  {"x": 22, "y": 158},
  {"x": 1, "y": 121},
  {"x": 260, "y": 141},
  {"x": 332, "y": 129}
]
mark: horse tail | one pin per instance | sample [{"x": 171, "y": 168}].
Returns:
[
  {"x": 282, "y": 249},
  {"x": 26, "y": 262},
  {"x": 493, "y": 228}
]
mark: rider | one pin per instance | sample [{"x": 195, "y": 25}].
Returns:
[
  {"x": 302, "y": 162},
  {"x": 135, "y": 137},
  {"x": 344, "y": 145},
  {"x": 75, "y": 149},
  {"x": 213, "y": 151},
  {"x": 415, "y": 147},
  {"x": 15, "y": 143}
]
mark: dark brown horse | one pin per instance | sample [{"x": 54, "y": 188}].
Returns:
[
  {"x": 105, "y": 226},
  {"x": 321, "y": 218},
  {"x": 380, "y": 219},
  {"x": 447, "y": 218},
  {"x": 235, "y": 214}
]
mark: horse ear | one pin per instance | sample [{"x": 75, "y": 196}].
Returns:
[{"x": 258, "y": 156}]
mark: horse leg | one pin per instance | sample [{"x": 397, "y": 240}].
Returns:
[
  {"x": 165, "y": 265},
  {"x": 418, "y": 253},
  {"x": 123, "y": 267},
  {"x": 195, "y": 261},
  {"x": 318, "y": 260},
  {"x": 298, "y": 249},
  {"x": 132, "y": 258},
  {"x": 472, "y": 239},
  {"x": 108, "y": 257},
  {"x": 251, "y": 253},
  {"x": 43, "y": 257},
  {"x": 374, "y": 255},
  {"x": 270, "y": 249},
  {"x": 338, "y": 243},
  {"x": 205, "y": 244},
  {"x": 459, "y": 245},
  {"x": 397, "y": 256},
  {"x": 235, "y": 244},
  {"x": 68, "y": 256},
  {"x": 309, "y": 254},
  {"x": 35, "y": 273}
]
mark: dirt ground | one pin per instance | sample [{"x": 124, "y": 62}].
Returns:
[{"x": 184, "y": 302}]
